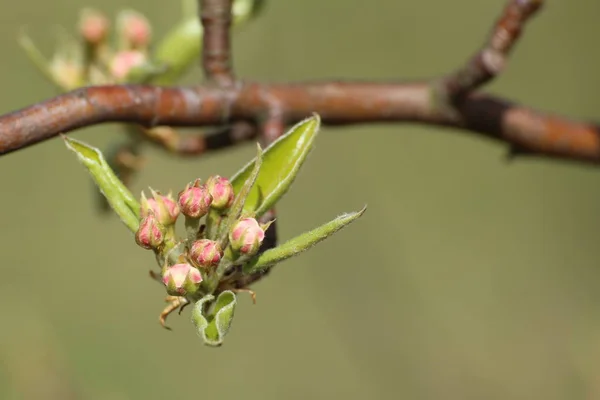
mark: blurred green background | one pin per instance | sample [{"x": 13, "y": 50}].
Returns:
[{"x": 467, "y": 278}]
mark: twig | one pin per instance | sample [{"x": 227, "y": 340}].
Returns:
[
  {"x": 198, "y": 143},
  {"x": 491, "y": 59},
  {"x": 215, "y": 16}
]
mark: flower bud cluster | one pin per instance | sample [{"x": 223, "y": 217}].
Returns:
[
  {"x": 93, "y": 58},
  {"x": 220, "y": 237}
]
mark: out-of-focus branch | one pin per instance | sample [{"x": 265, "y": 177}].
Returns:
[
  {"x": 490, "y": 60},
  {"x": 197, "y": 143},
  {"x": 216, "y": 19}
]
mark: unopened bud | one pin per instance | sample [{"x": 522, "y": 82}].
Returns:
[
  {"x": 134, "y": 29},
  {"x": 181, "y": 279},
  {"x": 93, "y": 26},
  {"x": 124, "y": 62},
  {"x": 221, "y": 191},
  {"x": 195, "y": 200},
  {"x": 150, "y": 234},
  {"x": 246, "y": 236},
  {"x": 205, "y": 253},
  {"x": 67, "y": 73},
  {"x": 164, "y": 208}
]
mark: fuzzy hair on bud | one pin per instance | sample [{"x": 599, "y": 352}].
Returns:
[
  {"x": 181, "y": 279},
  {"x": 165, "y": 208},
  {"x": 205, "y": 253},
  {"x": 150, "y": 234},
  {"x": 246, "y": 236},
  {"x": 195, "y": 200},
  {"x": 221, "y": 191}
]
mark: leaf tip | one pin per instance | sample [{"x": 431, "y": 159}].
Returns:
[{"x": 362, "y": 210}]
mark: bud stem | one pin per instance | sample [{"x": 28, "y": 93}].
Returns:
[
  {"x": 213, "y": 220},
  {"x": 192, "y": 226}
]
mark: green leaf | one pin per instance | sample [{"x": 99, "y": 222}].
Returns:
[
  {"x": 118, "y": 196},
  {"x": 178, "y": 50},
  {"x": 37, "y": 58},
  {"x": 300, "y": 243},
  {"x": 281, "y": 163},
  {"x": 243, "y": 10},
  {"x": 145, "y": 73},
  {"x": 213, "y": 327}
]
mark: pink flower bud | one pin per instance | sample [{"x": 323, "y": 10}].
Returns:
[
  {"x": 134, "y": 29},
  {"x": 195, "y": 200},
  {"x": 221, "y": 192},
  {"x": 150, "y": 234},
  {"x": 246, "y": 236},
  {"x": 124, "y": 61},
  {"x": 181, "y": 279},
  {"x": 93, "y": 26},
  {"x": 205, "y": 253},
  {"x": 164, "y": 208}
]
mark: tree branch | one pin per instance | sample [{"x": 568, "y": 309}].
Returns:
[
  {"x": 272, "y": 106},
  {"x": 337, "y": 103},
  {"x": 491, "y": 59}
]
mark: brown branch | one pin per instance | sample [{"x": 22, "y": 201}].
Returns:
[
  {"x": 491, "y": 59},
  {"x": 216, "y": 17},
  {"x": 274, "y": 106},
  {"x": 337, "y": 103}
]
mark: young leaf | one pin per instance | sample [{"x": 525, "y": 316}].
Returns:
[
  {"x": 37, "y": 58},
  {"x": 178, "y": 50},
  {"x": 118, "y": 196},
  {"x": 300, "y": 243},
  {"x": 281, "y": 162},
  {"x": 213, "y": 327}
]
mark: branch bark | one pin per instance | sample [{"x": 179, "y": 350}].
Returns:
[
  {"x": 216, "y": 18},
  {"x": 338, "y": 104}
]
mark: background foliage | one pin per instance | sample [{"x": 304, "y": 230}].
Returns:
[{"x": 467, "y": 278}]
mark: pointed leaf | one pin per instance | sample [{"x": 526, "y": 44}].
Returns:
[
  {"x": 281, "y": 163},
  {"x": 37, "y": 58},
  {"x": 300, "y": 243},
  {"x": 178, "y": 51},
  {"x": 118, "y": 196},
  {"x": 212, "y": 328}
]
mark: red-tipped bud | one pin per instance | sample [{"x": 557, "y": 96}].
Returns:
[
  {"x": 134, "y": 29},
  {"x": 150, "y": 234},
  {"x": 246, "y": 236},
  {"x": 164, "y": 208},
  {"x": 124, "y": 62},
  {"x": 205, "y": 253},
  {"x": 181, "y": 279},
  {"x": 195, "y": 200},
  {"x": 93, "y": 26},
  {"x": 221, "y": 191}
]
